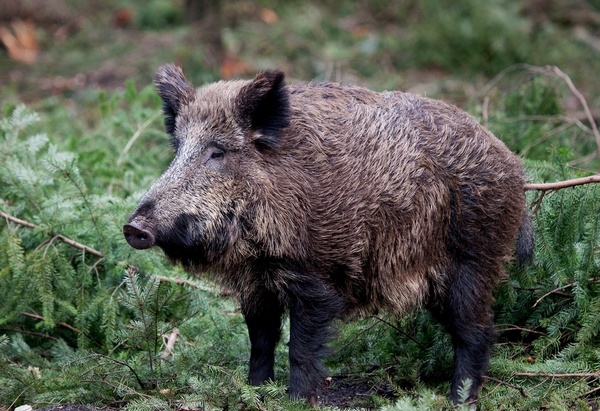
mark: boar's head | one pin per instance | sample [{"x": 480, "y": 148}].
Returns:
[{"x": 197, "y": 210}]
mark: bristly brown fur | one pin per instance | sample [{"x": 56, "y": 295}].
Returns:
[
  {"x": 322, "y": 200},
  {"x": 174, "y": 90}
]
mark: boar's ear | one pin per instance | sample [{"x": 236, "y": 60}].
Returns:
[
  {"x": 263, "y": 106},
  {"x": 174, "y": 90}
]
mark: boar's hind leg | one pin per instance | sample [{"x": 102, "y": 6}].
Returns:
[
  {"x": 466, "y": 315},
  {"x": 262, "y": 312},
  {"x": 312, "y": 309}
]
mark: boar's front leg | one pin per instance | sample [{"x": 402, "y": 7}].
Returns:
[
  {"x": 313, "y": 306},
  {"x": 262, "y": 312}
]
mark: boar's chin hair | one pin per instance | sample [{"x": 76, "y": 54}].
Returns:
[
  {"x": 262, "y": 106},
  {"x": 196, "y": 248},
  {"x": 174, "y": 90},
  {"x": 191, "y": 259}
]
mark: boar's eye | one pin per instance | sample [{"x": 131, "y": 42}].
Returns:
[
  {"x": 215, "y": 154},
  {"x": 213, "y": 157}
]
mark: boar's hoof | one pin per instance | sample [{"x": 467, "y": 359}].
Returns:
[{"x": 138, "y": 237}]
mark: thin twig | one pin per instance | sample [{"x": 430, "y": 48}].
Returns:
[
  {"x": 555, "y": 375},
  {"x": 556, "y": 290},
  {"x": 124, "y": 364},
  {"x": 137, "y": 133},
  {"x": 39, "y": 317},
  {"x": 60, "y": 237},
  {"x": 590, "y": 392},
  {"x": 398, "y": 330},
  {"x": 223, "y": 292},
  {"x": 176, "y": 280},
  {"x": 80, "y": 246},
  {"x": 512, "y": 327},
  {"x": 357, "y": 336},
  {"x": 484, "y": 110},
  {"x": 516, "y": 387},
  {"x": 28, "y": 332},
  {"x": 553, "y": 71},
  {"x": 583, "y": 103},
  {"x": 538, "y": 203}
]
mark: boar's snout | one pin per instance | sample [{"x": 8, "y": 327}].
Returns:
[{"x": 138, "y": 236}]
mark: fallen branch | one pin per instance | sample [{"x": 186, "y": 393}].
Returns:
[
  {"x": 60, "y": 237},
  {"x": 563, "y": 184}
]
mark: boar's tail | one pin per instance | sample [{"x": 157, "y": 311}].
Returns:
[{"x": 525, "y": 241}]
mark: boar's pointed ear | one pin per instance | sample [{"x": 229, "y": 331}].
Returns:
[
  {"x": 263, "y": 106},
  {"x": 174, "y": 90}
]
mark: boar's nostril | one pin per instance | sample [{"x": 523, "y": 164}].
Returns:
[{"x": 138, "y": 237}]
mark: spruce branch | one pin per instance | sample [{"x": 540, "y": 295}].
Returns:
[
  {"x": 139, "y": 380},
  {"x": 60, "y": 237},
  {"x": 78, "y": 183}
]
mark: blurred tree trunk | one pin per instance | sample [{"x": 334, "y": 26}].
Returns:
[
  {"x": 196, "y": 10},
  {"x": 206, "y": 16},
  {"x": 45, "y": 13}
]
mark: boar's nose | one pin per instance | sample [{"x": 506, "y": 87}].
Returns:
[{"x": 137, "y": 236}]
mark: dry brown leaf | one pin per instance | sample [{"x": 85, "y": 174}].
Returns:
[
  {"x": 20, "y": 41},
  {"x": 268, "y": 15},
  {"x": 232, "y": 66}
]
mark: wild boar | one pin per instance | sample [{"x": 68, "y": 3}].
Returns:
[{"x": 319, "y": 200}]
